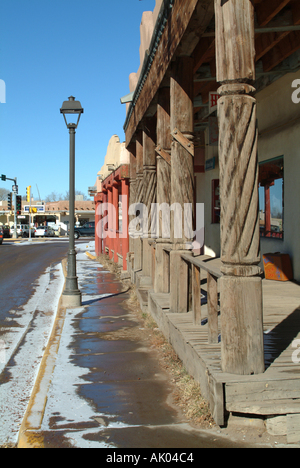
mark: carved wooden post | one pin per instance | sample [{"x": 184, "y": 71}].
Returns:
[
  {"x": 241, "y": 285},
  {"x": 163, "y": 149},
  {"x": 138, "y": 251},
  {"x": 149, "y": 187},
  {"x": 182, "y": 175}
]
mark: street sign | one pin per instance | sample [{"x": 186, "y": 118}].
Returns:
[
  {"x": 39, "y": 208},
  {"x": 15, "y": 188}
]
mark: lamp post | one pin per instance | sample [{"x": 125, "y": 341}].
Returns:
[{"x": 72, "y": 295}]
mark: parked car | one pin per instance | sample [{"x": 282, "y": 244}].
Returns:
[
  {"x": 44, "y": 231},
  {"x": 6, "y": 232},
  {"x": 1, "y": 235},
  {"x": 87, "y": 230},
  {"x": 21, "y": 228},
  {"x": 25, "y": 231}
]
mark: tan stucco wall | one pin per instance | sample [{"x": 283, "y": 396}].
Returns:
[
  {"x": 147, "y": 26},
  {"x": 116, "y": 154},
  {"x": 279, "y": 128}
]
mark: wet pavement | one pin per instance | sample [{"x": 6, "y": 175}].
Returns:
[
  {"x": 107, "y": 389},
  {"x": 31, "y": 281}
]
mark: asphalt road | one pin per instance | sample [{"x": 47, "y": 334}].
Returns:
[
  {"x": 20, "y": 266},
  {"x": 31, "y": 282}
]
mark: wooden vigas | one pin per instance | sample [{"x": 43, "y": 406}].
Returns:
[{"x": 241, "y": 285}]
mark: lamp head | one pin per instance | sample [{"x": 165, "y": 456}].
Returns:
[{"x": 71, "y": 107}]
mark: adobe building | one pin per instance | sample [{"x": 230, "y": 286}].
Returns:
[
  {"x": 53, "y": 213},
  {"x": 111, "y": 195},
  {"x": 213, "y": 118}
]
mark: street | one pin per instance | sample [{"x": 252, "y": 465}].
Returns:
[{"x": 30, "y": 286}]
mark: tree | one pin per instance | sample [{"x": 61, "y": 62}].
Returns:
[
  {"x": 3, "y": 194},
  {"x": 77, "y": 192},
  {"x": 53, "y": 197}
]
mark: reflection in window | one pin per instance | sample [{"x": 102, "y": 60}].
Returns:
[{"x": 271, "y": 198}]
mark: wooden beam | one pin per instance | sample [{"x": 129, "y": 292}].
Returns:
[
  {"x": 166, "y": 156},
  {"x": 268, "y": 9},
  {"x": 171, "y": 38},
  {"x": 204, "y": 52},
  {"x": 281, "y": 51},
  {"x": 180, "y": 138},
  {"x": 296, "y": 13},
  {"x": 265, "y": 42}
]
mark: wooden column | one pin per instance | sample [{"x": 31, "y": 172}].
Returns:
[
  {"x": 138, "y": 251},
  {"x": 241, "y": 285},
  {"x": 182, "y": 174},
  {"x": 163, "y": 194},
  {"x": 182, "y": 126},
  {"x": 149, "y": 187}
]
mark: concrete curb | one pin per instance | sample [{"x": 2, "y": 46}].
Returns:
[{"x": 29, "y": 435}]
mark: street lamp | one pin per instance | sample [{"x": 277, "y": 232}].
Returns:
[{"x": 71, "y": 294}]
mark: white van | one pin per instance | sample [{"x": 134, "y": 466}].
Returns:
[{"x": 23, "y": 230}]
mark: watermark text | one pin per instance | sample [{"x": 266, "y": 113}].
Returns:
[{"x": 2, "y": 92}]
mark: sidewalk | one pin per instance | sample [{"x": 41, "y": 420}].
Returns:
[{"x": 100, "y": 384}]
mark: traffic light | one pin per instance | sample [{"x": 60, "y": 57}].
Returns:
[
  {"x": 9, "y": 201},
  {"x": 28, "y": 194},
  {"x": 3, "y": 177},
  {"x": 19, "y": 204}
]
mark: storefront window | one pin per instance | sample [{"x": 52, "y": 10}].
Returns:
[{"x": 271, "y": 198}]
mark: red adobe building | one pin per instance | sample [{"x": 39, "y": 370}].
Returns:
[{"x": 111, "y": 216}]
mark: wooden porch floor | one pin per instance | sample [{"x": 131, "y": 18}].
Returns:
[{"x": 277, "y": 391}]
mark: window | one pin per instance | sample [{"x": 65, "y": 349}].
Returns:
[{"x": 271, "y": 198}]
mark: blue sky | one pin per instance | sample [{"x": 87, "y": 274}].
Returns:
[{"x": 49, "y": 50}]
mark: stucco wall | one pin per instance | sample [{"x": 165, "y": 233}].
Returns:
[
  {"x": 279, "y": 129},
  {"x": 147, "y": 26},
  {"x": 116, "y": 154}
]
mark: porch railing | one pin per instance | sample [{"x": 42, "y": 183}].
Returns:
[{"x": 213, "y": 274}]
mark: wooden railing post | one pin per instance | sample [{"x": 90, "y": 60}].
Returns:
[
  {"x": 212, "y": 309},
  {"x": 196, "y": 279}
]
